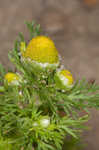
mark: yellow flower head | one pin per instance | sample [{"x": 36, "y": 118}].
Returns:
[
  {"x": 68, "y": 76},
  {"x": 12, "y": 78},
  {"x": 42, "y": 50},
  {"x": 64, "y": 79}
]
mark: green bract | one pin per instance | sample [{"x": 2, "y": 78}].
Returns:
[{"x": 36, "y": 67}]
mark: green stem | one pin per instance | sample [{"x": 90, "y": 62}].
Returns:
[{"x": 2, "y": 89}]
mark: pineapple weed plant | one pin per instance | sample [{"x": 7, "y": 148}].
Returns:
[{"x": 40, "y": 102}]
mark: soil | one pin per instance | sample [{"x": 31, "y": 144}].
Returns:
[{"x": 73, "y": 25}]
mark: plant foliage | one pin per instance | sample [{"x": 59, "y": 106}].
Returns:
[{"x": 23, "y": 107}]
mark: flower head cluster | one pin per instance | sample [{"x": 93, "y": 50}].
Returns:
[
  {"x": 42, "y": 53},
  {"x": 41, "y": 105}
]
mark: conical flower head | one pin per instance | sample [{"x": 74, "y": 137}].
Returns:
[
  {"x": 42, "y": 50},
  {"x": 12, "y": 78},
  {"x": 40, "y": 55},
  {"x": 64, "y": 79}
]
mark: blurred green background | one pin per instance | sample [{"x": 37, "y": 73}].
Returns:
[{"x": 73, "y": 25}]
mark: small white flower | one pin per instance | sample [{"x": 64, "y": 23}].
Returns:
[
  {"x": 45, "y": 122},
  {"x": 20, "y": 93},
  {"x": 35, "y": 124}
]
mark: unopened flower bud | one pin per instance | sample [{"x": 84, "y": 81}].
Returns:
[
  {"x": 12, "y": 78},
  {"x": 44, "y": 122},
  {"x": 64, "y": 79}
]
